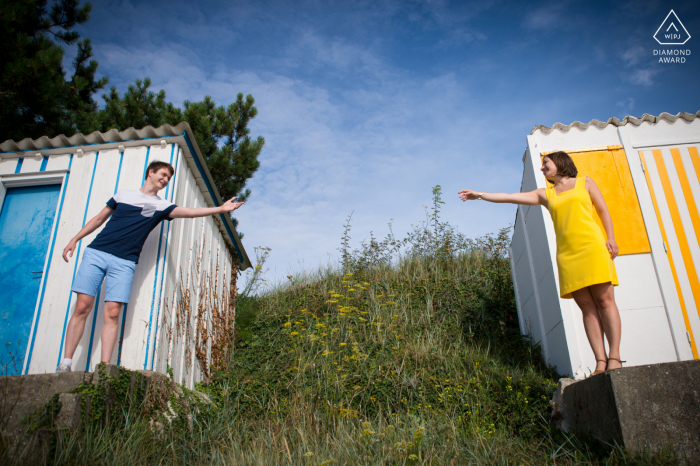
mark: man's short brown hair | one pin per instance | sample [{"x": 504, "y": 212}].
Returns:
[
  {"x": 157, "y": 165},
  {"x": 565, "y": 165}
]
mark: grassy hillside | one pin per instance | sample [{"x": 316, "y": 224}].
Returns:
[{"x": 408, "y": 353}]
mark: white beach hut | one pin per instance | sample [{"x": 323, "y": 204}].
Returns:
[
  {"x": 649, "y": 172},
  {"x": 180, "y": 313}
]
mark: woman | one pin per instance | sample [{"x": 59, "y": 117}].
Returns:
[{"x": 584, "y": 257}]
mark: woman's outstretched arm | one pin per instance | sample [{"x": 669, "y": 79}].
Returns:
[
  {"x": 536, "y": 197},
  {"x": 602, "y": 208}
]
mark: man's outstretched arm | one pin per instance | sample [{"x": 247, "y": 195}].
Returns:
[
  {"x": 89, "y": 227},
  {"x": 184, "y": 212}
]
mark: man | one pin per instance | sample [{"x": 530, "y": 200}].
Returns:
[{"x": 115, "y": 251}]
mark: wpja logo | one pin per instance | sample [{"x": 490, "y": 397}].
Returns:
[{"x": 671, "y": 32}]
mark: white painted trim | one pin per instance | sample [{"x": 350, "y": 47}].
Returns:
[
  {"x": 3, "y": 191},
  {"x": 518, "y": 304},
  {"x": 16, "y": 180},
  {"x": 662, "y": 267},
  {"x": 676, "y": 141}
]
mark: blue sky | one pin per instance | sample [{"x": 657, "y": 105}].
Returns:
[{"x": 365, "y": 106}]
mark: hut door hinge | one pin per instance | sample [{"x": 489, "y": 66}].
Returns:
[
  {"x": 642, "y": 164},
  {"x": 687, "y": 334},
  {"x": 665, "y": 249}
]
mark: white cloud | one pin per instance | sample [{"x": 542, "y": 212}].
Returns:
[
  {"x": 642, "y": 76},
  {"x": 626, "y": 106},
  {"x": 545, "y": 17},
  {"x": 634, "y": 55}
]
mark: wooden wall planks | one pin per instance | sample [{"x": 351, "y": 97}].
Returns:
[{"x": 185, "y": 260}]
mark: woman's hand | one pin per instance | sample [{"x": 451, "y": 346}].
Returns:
[
  {"x": 536, "y": 197},
  {"x": 612, "y": 248},
  {"x": 468, "y": 195}
]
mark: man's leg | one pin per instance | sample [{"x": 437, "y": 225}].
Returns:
[
  {"x": 86, "y": 286},
  {"x": 110, "y": 329},
  {"x": 120, "y": 274},
  {"x": 76, "y": 325}
]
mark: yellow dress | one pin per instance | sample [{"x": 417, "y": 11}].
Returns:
[{"x": 582, "y": 257}]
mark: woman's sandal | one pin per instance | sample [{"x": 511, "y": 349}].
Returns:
[
  {"x": 618, "y": 360},
  {"x": 600, "y": 371}
]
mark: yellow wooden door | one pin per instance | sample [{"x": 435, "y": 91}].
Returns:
[{"x": 608, "y": 167}]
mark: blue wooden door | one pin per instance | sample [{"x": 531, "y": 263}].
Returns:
[{"x": 25, "y": 228}]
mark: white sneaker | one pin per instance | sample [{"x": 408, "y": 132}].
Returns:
[{"x": 63, "y": 368}]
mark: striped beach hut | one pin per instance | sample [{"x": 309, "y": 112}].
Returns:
[
  {"x": 649, "y": 172},
  {"x": 181, "y": 309}
]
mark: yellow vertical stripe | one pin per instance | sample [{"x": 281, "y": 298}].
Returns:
[
  {"x": 682, "y": 240},
  {"x": 687, "y": 193},
  {"x": 696, "y": 160}
]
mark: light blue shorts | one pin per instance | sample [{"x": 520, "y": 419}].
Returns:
[{"x": 93, "y": 268}]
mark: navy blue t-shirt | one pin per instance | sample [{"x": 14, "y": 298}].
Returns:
[{"x": 135, "y": 215}]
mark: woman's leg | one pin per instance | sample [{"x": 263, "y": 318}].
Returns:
[
  {"x": 593, "y": 325},
  {"x": 604, "y": 297}
]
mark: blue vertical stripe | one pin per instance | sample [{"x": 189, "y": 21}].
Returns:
[
  {"x": 76, "y": 255},
  {"x": 92, "y": 332},
  {"x": 94, "y": 317},
  {"x": 121, "y": 334},
  {"x": 165, "y": 255},
  {"x": 46, "y": 272},
  {"x": 155, "y": 281},
  {"x": 145, "y": 165},
  {"x": 19, "y": 164},
  {"x": 116, "y": 188},
  {"x": 119, "y": 172},
  {"x": 44, "y": 161}
]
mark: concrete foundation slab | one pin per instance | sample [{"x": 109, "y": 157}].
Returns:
[
  {"x": 22, "y": 395},
  {"x": 649, "y": 406}
]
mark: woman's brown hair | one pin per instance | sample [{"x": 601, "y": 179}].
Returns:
[{"x": 565, "y": 166}]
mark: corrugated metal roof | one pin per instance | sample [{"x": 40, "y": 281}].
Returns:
[
  {"x": 96, "y": 138},
  {"x": 614, "y": 121},
  {"x": 114, "y": 137}
]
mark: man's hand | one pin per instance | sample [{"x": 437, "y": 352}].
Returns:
[
  {"x": 230, "y": 206},
  {"x": 68, "y": 251}
]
